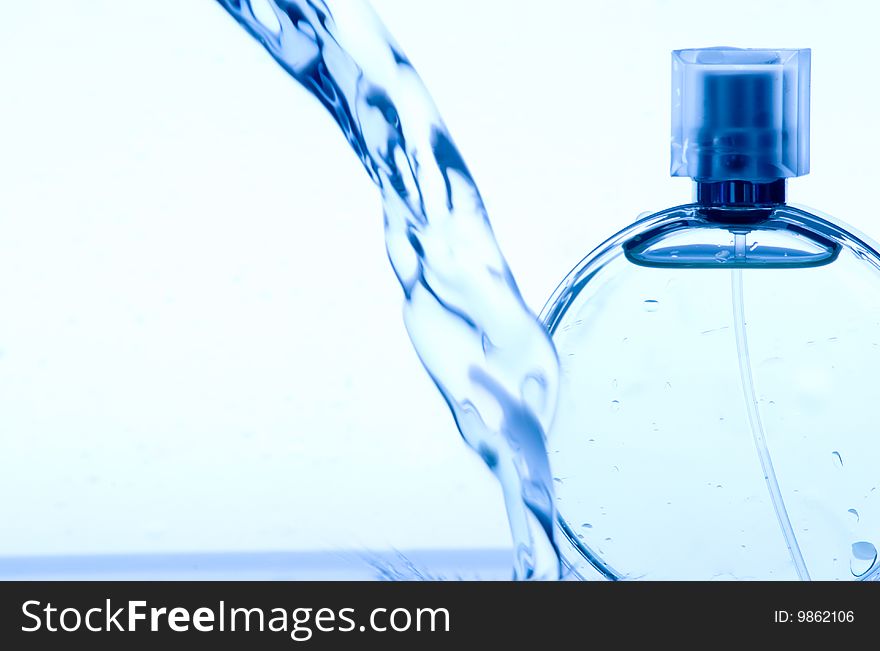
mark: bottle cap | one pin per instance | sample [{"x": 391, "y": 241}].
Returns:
[{"x": 740, "y": 115}]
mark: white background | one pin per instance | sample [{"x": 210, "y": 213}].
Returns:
[{"x": 200, "y": 342}]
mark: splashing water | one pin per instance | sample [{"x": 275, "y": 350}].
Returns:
[{"x": 487, "y": 353}]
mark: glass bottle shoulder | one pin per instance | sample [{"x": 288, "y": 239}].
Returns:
[{"x": 693, "y": 236}]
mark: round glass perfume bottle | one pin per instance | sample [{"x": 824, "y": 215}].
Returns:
[{"x": 718, "y": 359}]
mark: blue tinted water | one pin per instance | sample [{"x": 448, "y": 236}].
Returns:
[
  {"x": 421, "y": 565},
  {"x": 485, "y": 350}
]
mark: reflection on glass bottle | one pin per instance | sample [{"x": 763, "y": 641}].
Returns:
[{"x": 716, "y": 415}]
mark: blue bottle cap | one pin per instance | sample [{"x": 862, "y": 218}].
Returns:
[{"x": 740, "y": 115}]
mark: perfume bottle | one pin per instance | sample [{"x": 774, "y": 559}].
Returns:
[{"x": 719, "y": 359}]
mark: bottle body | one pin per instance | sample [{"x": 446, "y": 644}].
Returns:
[{"x": 716, "y": 412}]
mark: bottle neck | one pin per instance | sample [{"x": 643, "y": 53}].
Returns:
[{"x": 739, "y": 194}]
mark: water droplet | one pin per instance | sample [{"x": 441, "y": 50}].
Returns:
[
  {"x": 651, "y": 305},
  {"x": 864, "y": 557},
  {"x": 854, "y": 512},
  {"x": 838, "y": 460},
  {"x": 771, "y": 403},
  {"x": 587, "y": 525},
  {"x": 614, "y": 383},
  {"x": 722, "y": 256},
  {"x": 615, "y": 405},
  {"x": 668, "y": 385}
]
